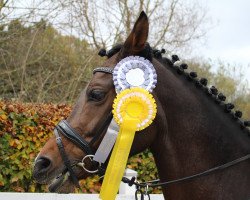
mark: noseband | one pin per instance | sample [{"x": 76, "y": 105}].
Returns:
[{"x": 71, "y": 134}]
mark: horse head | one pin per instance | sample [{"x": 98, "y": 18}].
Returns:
[{"x": 90, "y": 118}]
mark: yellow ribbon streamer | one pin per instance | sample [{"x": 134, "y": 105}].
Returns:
[{"x": 134, "y": 109}]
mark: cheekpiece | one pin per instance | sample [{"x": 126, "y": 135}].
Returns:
[{"x": 134, "y": 71}]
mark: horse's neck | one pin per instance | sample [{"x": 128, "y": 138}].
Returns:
[{"x": 197, "y": 135}]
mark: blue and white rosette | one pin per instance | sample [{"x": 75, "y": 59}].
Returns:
[{"x": 134, "y": 71}]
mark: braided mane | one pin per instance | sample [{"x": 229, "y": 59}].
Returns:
[{"x": 180, "y": 68}]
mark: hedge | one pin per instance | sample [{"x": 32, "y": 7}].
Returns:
[{"x": 24, "y": 129}]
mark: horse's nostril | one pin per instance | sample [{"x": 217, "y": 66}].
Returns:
[{"x": 42, "y": 165}]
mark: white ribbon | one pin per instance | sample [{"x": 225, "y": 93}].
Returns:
[
  {"x": 134, "y": 71},
  {"x": 107, "y": 143}
]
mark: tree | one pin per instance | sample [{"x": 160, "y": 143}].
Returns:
[
  {"x": 174, "y": 24},
  {"x": 3, "y": 4},
  {"x": 38, "y": 64}
]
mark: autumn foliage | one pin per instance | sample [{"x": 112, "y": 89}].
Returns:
[{"x": 24, "y": 129}]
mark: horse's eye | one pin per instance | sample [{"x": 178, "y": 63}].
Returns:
[{"x": 96, "y": 95}]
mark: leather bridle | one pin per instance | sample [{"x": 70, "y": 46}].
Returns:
[
  {"x": 71, "y": 134},
  {"x": 87, "y": 147}
]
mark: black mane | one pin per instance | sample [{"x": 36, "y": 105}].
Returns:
[
  {"x": 147, "y": 52},
  {"x": 179, "y": 67}
]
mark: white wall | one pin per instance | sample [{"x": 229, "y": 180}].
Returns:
[{"x": 52, "y": 196}]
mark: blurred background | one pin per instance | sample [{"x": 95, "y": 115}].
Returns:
[{"x": 48, "y": 49}]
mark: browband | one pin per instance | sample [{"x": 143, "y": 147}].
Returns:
[{"x": 103, "y": 69}]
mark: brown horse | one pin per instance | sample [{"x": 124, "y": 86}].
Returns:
[{"x": 194, "y": 130}]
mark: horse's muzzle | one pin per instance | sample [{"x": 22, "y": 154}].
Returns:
[{"x": 41, "y": 169}]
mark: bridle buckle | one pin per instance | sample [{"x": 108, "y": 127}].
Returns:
[{"x": 82, "y": 164}]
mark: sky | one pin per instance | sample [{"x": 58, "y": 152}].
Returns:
[{"x": 229, "y": 37}]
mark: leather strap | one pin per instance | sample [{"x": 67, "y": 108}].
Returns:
[
  {"x": 103, "y": 70},
  {"x": 65, "y": 129},
  {"x": 65, "y": 158},
  {"x": 73, "y": 136}
]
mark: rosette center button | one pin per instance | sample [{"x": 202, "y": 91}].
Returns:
[{"x": 134, "y": 110}]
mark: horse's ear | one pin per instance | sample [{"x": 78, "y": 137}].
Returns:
[{"x": 137, "y": 39}]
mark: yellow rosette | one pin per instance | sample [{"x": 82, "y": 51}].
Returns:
[{"x": 133, "y": 109}]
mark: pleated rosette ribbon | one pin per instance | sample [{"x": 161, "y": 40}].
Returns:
[
  {"x": 134, "y": 109},
  {"x": 134, "y": 71}
]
